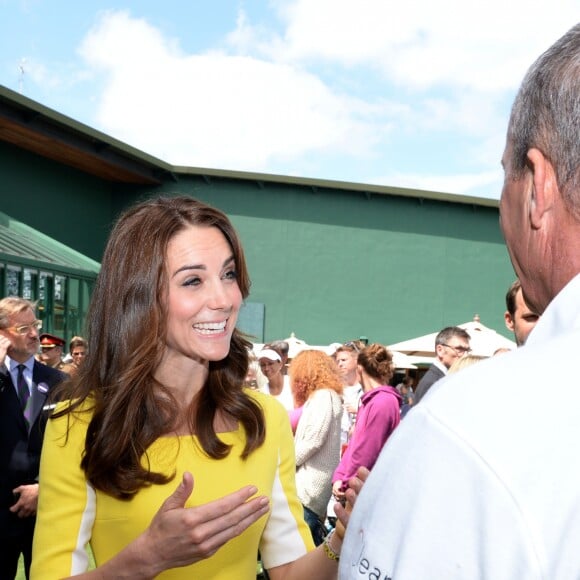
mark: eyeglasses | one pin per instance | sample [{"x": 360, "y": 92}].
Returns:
[
  {"x": 26, "y": 328},
  {"x": 458, "y": 349}
]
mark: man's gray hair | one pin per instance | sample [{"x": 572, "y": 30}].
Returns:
[
  {"x": 445, "y": 335},
  {"x": 13, "y": 305},
  {"x": 546, "y": 115}
]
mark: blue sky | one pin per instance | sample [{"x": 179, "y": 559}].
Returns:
[{"x": 409, "y": 94}]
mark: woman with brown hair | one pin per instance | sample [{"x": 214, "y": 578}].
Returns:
[
  {"x": 161, "y": 460},
  {"x": 378, "y": 416},
  {"x": 317, "y": 388}
]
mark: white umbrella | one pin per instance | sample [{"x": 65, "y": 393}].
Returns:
[
  {"x": 421, "y": 360},
  {"x": 484, "y": 341},
  {"x": 402, "y": 361},
  {"x": 295, "y": 345}
]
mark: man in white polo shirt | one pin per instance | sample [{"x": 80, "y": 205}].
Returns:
[{"x": 482, "y": 479}]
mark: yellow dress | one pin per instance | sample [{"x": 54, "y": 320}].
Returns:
[{"x": 71, "y": 513}]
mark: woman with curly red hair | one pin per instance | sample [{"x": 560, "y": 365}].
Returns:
[{"x": 317, "y": 388}]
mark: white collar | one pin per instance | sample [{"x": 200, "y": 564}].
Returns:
[
  {"x": 562, "y": 314},
  {"x": 13, "y": 365},
  {"x": 440, "y": 366}
]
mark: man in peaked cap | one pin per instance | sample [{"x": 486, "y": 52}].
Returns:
[{"x": 51, "y": 349}]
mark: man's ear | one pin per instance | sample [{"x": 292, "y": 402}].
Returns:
[
  {"x": 509, "y": 321},
  {"x": 544, "y": 186}
]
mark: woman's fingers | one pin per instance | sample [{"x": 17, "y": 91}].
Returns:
[
  {"x": 178, "y": 498},
  {"x": 216, "y": 528},
  {"x": 355, "y": 485},
  {"x": 186, "y": 535}
]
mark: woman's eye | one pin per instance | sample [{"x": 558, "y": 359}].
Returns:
[
  {"x": 192, "y": 282},
  {"x": 231, "y": 275}
]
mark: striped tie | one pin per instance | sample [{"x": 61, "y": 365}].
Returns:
[{"x": 23, "y": 392}]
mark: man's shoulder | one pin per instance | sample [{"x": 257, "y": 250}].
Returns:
[
  {"x": 435, "y": 369},
  {"x": 48, "y": 374},
  {"x": 433, "y": 373}
]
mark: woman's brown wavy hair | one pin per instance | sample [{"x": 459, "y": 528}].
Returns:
[
  {"x": 126, "y": 335},
  {"x": 311, "y": 370},
  {"x": 377, "y": 362}
]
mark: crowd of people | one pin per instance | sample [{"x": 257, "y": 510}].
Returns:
[
  {"x": 172, "y": 451},
  {"x": 341, "y": 409}
]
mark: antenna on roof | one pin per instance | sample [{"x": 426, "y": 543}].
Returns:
[{"x": 21, "y": 75}]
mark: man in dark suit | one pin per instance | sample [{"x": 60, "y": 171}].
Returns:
[
  {"x": 451, "y": 343},
  {"x": 24, "y": 387}
]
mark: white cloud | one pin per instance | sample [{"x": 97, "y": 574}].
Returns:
[
  {"x": 358, "y": 81},
  {"x": 214, "y": 109},
  {"x": 466, "y": 113},
  {"x": 456, "y": 65},
  {"x": 486, "y": 45}
]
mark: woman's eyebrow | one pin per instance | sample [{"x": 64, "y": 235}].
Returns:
[{"x": 227, "y": 262}]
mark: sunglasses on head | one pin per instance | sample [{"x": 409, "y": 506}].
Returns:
[{"x": 353, "y": 345}]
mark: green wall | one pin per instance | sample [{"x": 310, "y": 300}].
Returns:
[
  {"x": 59, "y": 201},
  {"x": 329, "y": 265}
]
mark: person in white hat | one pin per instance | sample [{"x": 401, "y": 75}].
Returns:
[{"x": 278, "y": 384}]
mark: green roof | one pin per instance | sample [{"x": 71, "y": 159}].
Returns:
[{"x": 17, "y": 240}]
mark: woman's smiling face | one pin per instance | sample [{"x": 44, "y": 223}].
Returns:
[{"x": 203, "y": 297}]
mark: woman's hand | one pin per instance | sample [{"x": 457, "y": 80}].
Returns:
[
  {"x": 337, "y": 492},
  {"x": 179, "y": 536},
  {"x": 355, "y": 484}
]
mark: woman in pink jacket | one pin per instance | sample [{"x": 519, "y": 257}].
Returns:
[{"x": 376, "y": 419}]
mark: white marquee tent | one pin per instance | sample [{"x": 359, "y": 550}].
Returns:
[{"x": 295, "y": 345}]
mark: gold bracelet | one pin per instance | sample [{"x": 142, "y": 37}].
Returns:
[{"x": 328, "y": 549}]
